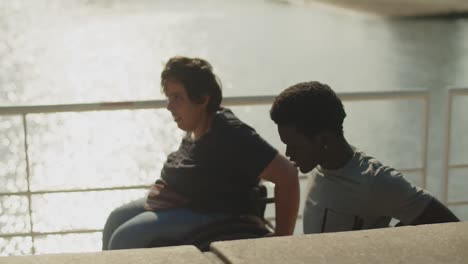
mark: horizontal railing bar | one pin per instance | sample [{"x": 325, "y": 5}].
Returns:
[
  {"x": 410, "y": 170},
  {"x": 60, "y": 108},
  {"x": 153, "y": 104},
  {"x": 458, "y": 166},
  {"x": 458, "y": 90},
  {"x": 301, "y": 177},
  {"x": 397, "y": 95},
  {"x": 28, "y": 234},
  {"x": 76, "y": 190},
  {"x": 457, "y": 203}
]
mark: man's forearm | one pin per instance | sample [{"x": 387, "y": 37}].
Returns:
[
  {"x": 283, "y": 174},
  {"x": 286, "y": 205}
]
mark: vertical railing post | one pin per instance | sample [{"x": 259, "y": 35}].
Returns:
[
  {"x": 425, "y": 140},
  {"x": 448, "y": 132},
  {"x": 28, "y": 180}
]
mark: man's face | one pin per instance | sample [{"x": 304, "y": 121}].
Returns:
[
  {"x": 303, "y": 151},
  {"x": 186, "y": 114}
]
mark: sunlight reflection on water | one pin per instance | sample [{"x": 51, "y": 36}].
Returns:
[{"x": 100, "y": 149}]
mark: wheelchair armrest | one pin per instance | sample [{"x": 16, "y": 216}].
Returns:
[{"x": 259, "y": 197}]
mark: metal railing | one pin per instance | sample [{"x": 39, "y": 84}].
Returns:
[
  {"x": 452, "y": 93},
  {"x": 154, "y": 104}
]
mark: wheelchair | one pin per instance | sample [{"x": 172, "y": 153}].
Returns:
[{"x": 231, "y": 228}]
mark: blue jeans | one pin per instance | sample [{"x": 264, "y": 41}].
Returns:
[{"x": 131, "y": 226}]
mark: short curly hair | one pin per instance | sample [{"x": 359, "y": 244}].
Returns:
[
  {"x": 310, "y": 106},
  {"x": 197, "y": 77}
]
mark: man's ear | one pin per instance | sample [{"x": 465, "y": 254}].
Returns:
[
  {"x": 205, "y": 100},
  {"x": 320, "y": 138},
  {"x": 326, "y": 137}
]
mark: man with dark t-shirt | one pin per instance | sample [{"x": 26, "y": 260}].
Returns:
[
  {"x": 211, "y": 175},
  {"x": 218, "y": 171}
]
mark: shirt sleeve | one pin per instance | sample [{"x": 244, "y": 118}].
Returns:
[
  {"x": 250, "y": 151},
  {"x": 397, "y": 197}
]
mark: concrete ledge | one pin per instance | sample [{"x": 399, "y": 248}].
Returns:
[
  {"x": 441, "y": 243},
  {"x": 167, "y": 255}
]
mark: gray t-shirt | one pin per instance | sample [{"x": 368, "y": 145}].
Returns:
[{"x": 364, "y": 194}]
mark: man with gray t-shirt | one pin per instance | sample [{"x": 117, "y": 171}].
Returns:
[{"x": 349, "y": 190}]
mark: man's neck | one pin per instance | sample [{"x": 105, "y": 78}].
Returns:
[
  {"x": 202, "y": 129},
  {"x": 338, "y": 155}
]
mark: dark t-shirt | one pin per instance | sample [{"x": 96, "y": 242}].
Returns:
[{"x": 218, "y": 171}]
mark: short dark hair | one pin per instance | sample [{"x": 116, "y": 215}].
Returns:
[
  {"x": 310, "y": 106},
  {"x": 197, "y": 77}
]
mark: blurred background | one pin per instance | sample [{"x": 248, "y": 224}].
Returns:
[{"x": 56, "y": 193}]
